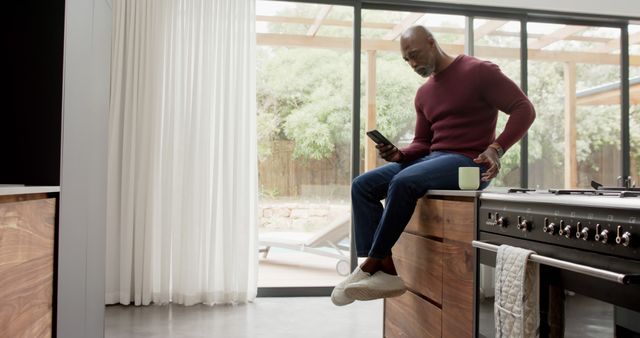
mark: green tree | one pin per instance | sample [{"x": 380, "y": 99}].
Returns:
[{"x": 304, "y": 95}]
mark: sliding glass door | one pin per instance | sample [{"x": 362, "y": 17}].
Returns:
[
  {"x": 304, "y": 95},
  {"x": 574, "y": 83},
  {"x": 309, "y": 147}
]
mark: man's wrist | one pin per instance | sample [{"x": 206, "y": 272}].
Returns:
[{"x": 499, "y": 151}]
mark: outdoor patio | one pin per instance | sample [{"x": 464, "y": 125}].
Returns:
[{"x": 287, "y": 268}]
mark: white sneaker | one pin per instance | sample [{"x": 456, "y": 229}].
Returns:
[
  {"x": 379, "y": 285},
  {"x": 337, "y": 296}
]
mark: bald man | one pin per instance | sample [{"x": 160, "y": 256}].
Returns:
[{"x": 456, "y": 113}]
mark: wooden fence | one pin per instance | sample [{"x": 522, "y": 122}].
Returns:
[
  {"x": 282, "y": 175},
  {"x": 607, "y": 160}
]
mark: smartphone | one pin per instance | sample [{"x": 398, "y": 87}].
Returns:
[{"x": 378, "y": 138}]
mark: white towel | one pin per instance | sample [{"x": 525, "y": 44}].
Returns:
[{"x": 516, "y": 294}]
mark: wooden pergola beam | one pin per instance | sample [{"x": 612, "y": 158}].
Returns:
[
  {"x": 370, "y": 151},
  {"x": 291, "y": 40},
  {"x": 570, "y": 158},
  {"x": 559, "y": 34},
  {"x": 407, "y": 21},
  {"x": 614, "y": 44},
  {"x": 610, "y": 97},
  {"x": 384, "y": 25},
  {"x": 328, "y": 22},
  {"x": 488, "y": 28},
  {"x": 317, "y": 22}
]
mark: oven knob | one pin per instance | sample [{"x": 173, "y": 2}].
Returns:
[
  {"x": 567, "y": 231},
  {"x": 625, "y": 239},
  {"x": 603, "y": 236},
  {"x": 583, "y": 234},
  {"x": 551, "y": 229},
  {"x": 523, "y": 224},
  {"x": 501, "y": 221},
  {"x": 545, "y": 227}
]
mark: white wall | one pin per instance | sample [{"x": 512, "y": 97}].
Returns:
[
  {"x": 627, "y": 8},
  {"x": 81, "y": 255}
]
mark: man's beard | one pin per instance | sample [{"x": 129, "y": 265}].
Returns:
[{"x": 425, "y": 70}]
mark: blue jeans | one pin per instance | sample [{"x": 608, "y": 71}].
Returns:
[{"x": 377, "y": 228}]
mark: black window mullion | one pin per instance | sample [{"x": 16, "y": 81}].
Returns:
[
  {"x": 524, "y": 85},
  {"x": 624, "y": 102},
  {"x": 469, "y": 46},
  {"x": 355, "y": 117}
]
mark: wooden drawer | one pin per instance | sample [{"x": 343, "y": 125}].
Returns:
[
  {"x": 418, "y": 261},
  {"x": 459, "y": 220},
  {"x": 26, "y": 268},
  {"x": 428, "y": 218},
  {"x": 457, "y": 290},
  {"x": 410, "y": 316}
]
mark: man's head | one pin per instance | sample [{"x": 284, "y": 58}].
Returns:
[{"x": 420, "y": 50}]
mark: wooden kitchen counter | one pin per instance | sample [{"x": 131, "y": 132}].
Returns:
[
  {"x": 27, "y": 253},
  {"x": 435, "y": 258}
]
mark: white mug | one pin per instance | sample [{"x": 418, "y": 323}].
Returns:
[{"x": 469, "y": 178}]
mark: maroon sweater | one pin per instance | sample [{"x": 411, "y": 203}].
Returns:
[{"x": 457, "y": 109}]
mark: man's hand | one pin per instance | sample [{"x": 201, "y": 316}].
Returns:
[
  {"x": 490, "y": 158},
  {"x": 389, "y": 153}
]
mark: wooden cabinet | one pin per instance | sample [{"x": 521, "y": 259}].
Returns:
[
  {"x": 401, "y": 319},
  {"x": 435, "y": 258},
  {"x": 27, "y": 234}
]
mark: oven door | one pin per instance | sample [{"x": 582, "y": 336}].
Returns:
[{"x": 571, "y": 304}]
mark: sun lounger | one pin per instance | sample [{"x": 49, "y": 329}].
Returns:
[{"x": 324, "y": 243}]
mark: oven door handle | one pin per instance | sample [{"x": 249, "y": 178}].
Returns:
[{"x": 579, "y": 268}]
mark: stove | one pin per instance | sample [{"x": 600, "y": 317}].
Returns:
[
  {"x": 598, "y": 190},
  {"x": 605, "y": 224},
  {"x": 588, "y": 244}
]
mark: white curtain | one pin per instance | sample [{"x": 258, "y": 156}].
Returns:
[{"x": 182, "y": 184}]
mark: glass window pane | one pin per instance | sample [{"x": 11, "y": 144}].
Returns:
[
  {"x": 304, "y": 100},
  {"x": 447, "y": 29},
  {"x": 498, "y": 41},
  {"x": 574, "y": 75},
  {"x": 388, "y": 83}
]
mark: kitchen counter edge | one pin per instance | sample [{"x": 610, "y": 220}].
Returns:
[{"x": 25, "y": 190}]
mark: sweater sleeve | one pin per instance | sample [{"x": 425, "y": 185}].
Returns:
[
  {"x": 421, "y": 144},
  {"x": 499, "y": 91}
]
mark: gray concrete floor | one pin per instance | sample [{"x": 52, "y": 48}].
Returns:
[{"x": 307, "y": 317}]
